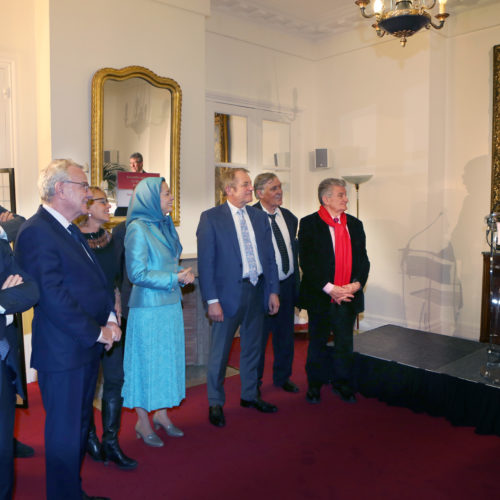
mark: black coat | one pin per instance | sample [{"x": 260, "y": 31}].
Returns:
[{"x": 317, "y": 261}]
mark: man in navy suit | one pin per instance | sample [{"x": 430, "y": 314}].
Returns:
[
  {"x": 72, "y": 321},
  {"x": 283, "y": 224},
  {"x": 335, "y": 266},
  {"x": 18, "y": 293},
  {"x": 10, "y": 224},
  {"x": 239, "y": 282}
]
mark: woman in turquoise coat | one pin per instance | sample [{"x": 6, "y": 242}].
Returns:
[{"x": 154, "y": 362}]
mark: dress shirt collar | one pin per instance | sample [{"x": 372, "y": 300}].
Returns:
[
  {"x": 276, "y": 212},
  {"x": 57, "y": 215},
  {"x": 234, "y": 209}
]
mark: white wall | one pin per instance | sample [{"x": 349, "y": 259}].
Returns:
[
  {"x": 418, "y": 118},
  {"x": 87, "y": 36},
  {"x": 249, "y": 62},
  {"x": 18, "y": 45}
]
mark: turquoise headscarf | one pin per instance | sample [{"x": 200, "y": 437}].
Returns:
[{"x": 145, "y": 206}]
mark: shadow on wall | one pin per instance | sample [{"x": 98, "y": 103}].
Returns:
[
  {"x": 431, "y": 289},
  {"x": 468, "y": 239},
  {"x": 436, "y": 267}
]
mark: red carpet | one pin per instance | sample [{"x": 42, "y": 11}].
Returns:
[{"x": 328, "y": 451}]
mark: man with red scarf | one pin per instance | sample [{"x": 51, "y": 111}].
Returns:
[{"x": 335, "y": 266}]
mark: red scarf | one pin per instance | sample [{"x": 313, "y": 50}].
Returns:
[{"x": 343, "y": 251}]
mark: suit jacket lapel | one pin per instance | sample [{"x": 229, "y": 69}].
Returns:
[
  {"x": 78, "y": 247},
  {"x": 229, "y": 222}
]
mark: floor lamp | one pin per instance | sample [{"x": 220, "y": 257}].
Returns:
[{"x": 357, "y": 180}]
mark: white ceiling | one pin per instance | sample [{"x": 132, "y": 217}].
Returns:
[{"x": 313, "y": 19}]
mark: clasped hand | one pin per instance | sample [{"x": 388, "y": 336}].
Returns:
[
  {"x": 110, "y": 333},
  {"x": 185, "y": 276},
  {"x": 6, "y": 216},
  {"x": 12, "y": 280},
  {"x": 344, "y": 293}
]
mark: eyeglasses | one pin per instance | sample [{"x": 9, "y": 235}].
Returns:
[
  {"x": 84, "y": 185},
  {"x": 104, "y": 201}
]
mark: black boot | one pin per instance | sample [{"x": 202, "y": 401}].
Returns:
[
  {"x": 111, "y": 415},
  {"x": 93, "y": 445}
]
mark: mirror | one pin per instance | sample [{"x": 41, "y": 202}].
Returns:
[
  {"x": 230, "y": 139},
  {"x": 495, "y": 157},
  {"x": 135, "y": 110}
]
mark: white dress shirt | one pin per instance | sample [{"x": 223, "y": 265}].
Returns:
[
  {"x": 280, "y": 221},
  {"x": 236, "y": 219}
]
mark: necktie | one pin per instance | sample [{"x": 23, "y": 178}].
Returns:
[
  {"x": 79, "y": 238},
  {"x": 4, "y": 348},
  {"x": 75, "y": 233},
  {"x": 280, "y": 242},
  {"x": 247, "y": 244}
]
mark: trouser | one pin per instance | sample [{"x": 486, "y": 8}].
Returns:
[
  {"x": 281, "y": 326},
  {"x": 325, "y": 364},
  {"x": 7, "y": 411},
  {"x": 249, "y": 317},
  {"x": 67, "y": 398}
]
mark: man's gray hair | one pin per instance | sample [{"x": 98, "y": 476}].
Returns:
[
  {"x": 56, "y": 171},
  {"x": 228, "y": 177},
  {"x": 261, "y": 180},
  {"x": 326, "y": 185},
  {"x": 136, "y": 156}
]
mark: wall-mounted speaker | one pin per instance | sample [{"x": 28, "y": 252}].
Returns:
[{"x": 321, "y": 158}]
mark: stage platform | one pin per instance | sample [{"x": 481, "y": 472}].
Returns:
[{"x": 427, "y": 372}]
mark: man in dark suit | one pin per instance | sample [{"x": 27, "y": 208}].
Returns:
[
  {"x": 10, "y": 224},
  {"x": 9, "y": 227},
  {"x": 239, "y": 282},
  {"x": 136, "y": 162},
  {"x": 72, "y": 321},
  {"x": 18, "y": 293},
  {"x": 283, "y": 224},
  {"x": 335, "y": 266}
]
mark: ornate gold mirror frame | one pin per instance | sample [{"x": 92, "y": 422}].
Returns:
[
  {"x": 97, "y": 124},
  {"x": 495, "y": 153}
]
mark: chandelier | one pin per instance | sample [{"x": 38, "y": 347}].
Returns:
[{"x": 403, "y": 18}]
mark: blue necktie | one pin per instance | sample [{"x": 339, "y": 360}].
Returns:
[
  {"x": 79, "y": 238},
  {"x": 4, "y": 348},
  {"x": 247, "y": 244}
]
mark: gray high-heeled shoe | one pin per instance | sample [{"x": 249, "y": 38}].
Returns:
[
  {"x": 151, "y": 439},
  {"x": 170, "y": 429}
]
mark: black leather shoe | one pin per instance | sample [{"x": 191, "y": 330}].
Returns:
[
  {"x": 345, "y": 392},
  {"x": 22, "y": 450},
  {"x": 216, "y": 416},
  {"x": 86, "y": 497},
  {"x": 259, "y": 405},
  {"x": 289, "y": 386},
  {"x": 313, "y": 395}
]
